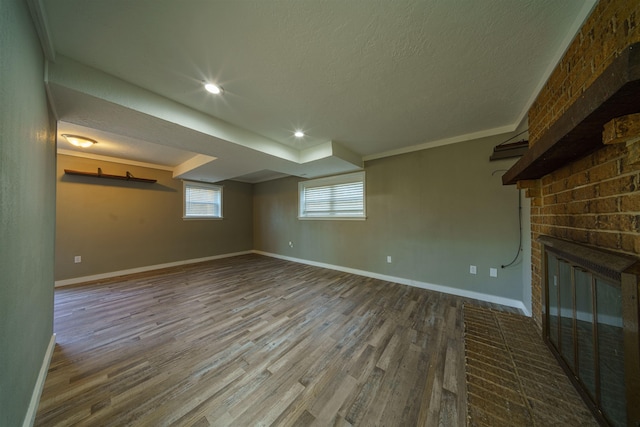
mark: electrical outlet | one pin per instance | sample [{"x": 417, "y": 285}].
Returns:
[
  {"x": 290, "y": 244},
  {"x": 473, "y": 269},
  {"x": 77, "y": 259},
  {"x": 389, "y": 259},
  {"x": 493, "y": 272}
]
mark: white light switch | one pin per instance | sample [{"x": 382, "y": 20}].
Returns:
[
  {"x": 77, "y": 259},
  {"x": 473, "y": 269},
  {"x": 493, "y": 272}
]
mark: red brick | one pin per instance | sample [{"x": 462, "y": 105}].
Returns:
[
  {"x": 630, "y": 243},
  {"x": 616, "y": 222},
  {"x": 609, "y": 152},
  {"x": 532, "y": 192},
  {"x": 577, "y": 179},
  {"x": 547, "y": 180},
  {"x": 528, "y": 183},
  {"x": 605, "y": 239},
  {"x": 584, "y": 193},
  {"x": 580, "y": 236},
  {"x": 579, "y": 207},
  {"x": 630, "y": 202},
  {"x": 603, "y": 171},
  {"x": 627, "y": 167},
  {"x": 559, "y": 209},
  {"x": 561, "y": 173},
  {"x": 608, "y": 205},
  {"x": 622, "y": 185},
  {"x": 575, "y": 221},
  {"x": 583, "y": 221},
  {"x": 581, "y": 165},
  {"x": 597, "y": 44},
  {"x": 559, "y": 232},
  {"x": 564, "y": 197},
  {"x": 558, "y": 186}
]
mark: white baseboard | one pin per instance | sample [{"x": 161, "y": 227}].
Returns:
[
  {"x": 102, "y": 276},
  {"x": 30, "y": 417},
  {"x": 423, "y": 285}
]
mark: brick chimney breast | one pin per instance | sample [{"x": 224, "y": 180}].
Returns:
[{"x": 594, "y": 200}]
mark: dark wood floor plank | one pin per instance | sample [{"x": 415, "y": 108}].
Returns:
[{"x": 252, "y": 340}]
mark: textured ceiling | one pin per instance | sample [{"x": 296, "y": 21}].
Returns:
[{"x": 374, "y": 77}]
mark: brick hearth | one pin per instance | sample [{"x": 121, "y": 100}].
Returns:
[{"x": 512, "y": 377}]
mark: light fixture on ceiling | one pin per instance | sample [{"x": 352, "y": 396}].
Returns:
[
  {"x": 79, "y": 141},
  {"x": 213, "y": 88},
  {"x": 298, "y": 134}
]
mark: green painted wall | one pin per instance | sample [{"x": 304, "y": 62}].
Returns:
[
  {"x": 435, "y": 212},
  {"x": 119, "y": 225},
  {"x": 27, "y": 212}
]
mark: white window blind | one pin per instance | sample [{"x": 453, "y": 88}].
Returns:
[
  {"x": 333, "y": 197},
  {"x": 202, "y": 200}
]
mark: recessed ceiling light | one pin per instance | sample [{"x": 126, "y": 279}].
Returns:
[
  {"x": 79, "y": 141},
  {"x": 215, "y": 89},
  {"x": 298, "y": 134}
]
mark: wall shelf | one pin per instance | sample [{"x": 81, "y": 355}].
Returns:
[{"x": 99, "y": 174}]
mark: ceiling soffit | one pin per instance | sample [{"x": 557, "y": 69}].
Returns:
[
  {"x": 91, "y": 98},
  {"x": 363, "y": 79}
]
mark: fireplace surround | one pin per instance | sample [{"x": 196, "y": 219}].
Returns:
[{"x": 582, "y": 176}]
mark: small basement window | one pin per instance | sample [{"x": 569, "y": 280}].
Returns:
[
  {"x": 202, "y": 200},
  {"x": 334, "y": 197}
]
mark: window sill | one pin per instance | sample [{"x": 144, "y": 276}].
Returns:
[
  {"x": 333, "y": 218},
  {"x": 188, "y": 218}
]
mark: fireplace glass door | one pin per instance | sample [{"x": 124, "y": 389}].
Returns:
[{"x": 584, "y": 327}]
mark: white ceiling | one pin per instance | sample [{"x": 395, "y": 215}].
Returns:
[{"x": 362, "y": 78}]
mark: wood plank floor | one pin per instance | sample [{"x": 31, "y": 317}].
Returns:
[{"x": 252, "y": 340}]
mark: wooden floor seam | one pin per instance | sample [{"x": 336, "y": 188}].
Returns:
[{"x": 253, "y": 340}]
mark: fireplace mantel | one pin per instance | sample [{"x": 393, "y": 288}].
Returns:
[{"x": 578, "y": 132}]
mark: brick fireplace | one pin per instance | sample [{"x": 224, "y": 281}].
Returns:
[
  {"x": 595, "y": 199},
  {"x": 582, "y": 169}
]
